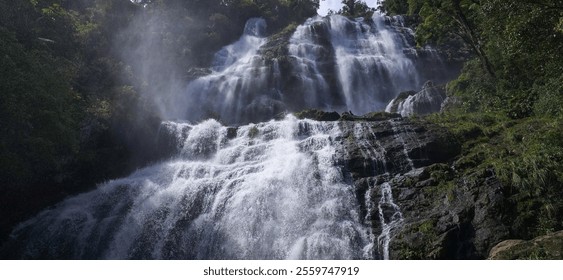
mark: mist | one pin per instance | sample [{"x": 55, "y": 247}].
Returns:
[{"x": 156, "y": 47}]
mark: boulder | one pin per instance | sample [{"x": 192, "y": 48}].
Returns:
[
  {"x": 549, "y": 246},
  {"x": 428, "y": 100}
]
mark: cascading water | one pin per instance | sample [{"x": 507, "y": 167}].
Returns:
[
  {"x": 389, "y": 214},
  {"x": 306, "y": 50},
  {"x": 332, "y": 63},
  {"x": 391, "y": 218},
  {"x": 366, "y": 59},
  {"x": 272, "y": 191},
  {"x": 371, "y": 64},
  {"x": 238, "y": 89}
]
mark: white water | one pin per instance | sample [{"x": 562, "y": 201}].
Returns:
[
  {"x": 390, "y": 216},
  {"x": 271, "y": 192},
  {"x": 307, "y": 51},
  {"x": 371, "y": 64},
  {"x": 238, "y": 86},
  {"x": 391, "y": 219},
  {"x": 333, "y": 63}
]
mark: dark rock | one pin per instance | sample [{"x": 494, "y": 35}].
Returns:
[
  {"x": 194, "y": 73},
  {"x": 445, "y": 216},
  {"x": 374, "y": 116},
  {"x": 459, "y": 220},
  {"x": 396, "y": 146},
  {"x": 232, "y": 132},
  {"x": 276, "y": 47},
  {"x": 318, "y": 115}
]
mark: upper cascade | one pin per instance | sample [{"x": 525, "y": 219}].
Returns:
[
  {"x": 372, "y": 66},
  {"x": 255, "y": 27},
  {"x": 329, "y": 63},
  {"x": 244, "y": 48}
]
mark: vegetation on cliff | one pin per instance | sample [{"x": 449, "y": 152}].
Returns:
[{"x": 506, "y": 105}]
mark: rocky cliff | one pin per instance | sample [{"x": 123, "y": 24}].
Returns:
[{"x": 443, "y": 213}]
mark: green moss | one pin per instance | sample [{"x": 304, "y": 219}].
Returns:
[
  {"x": 379, "y": 116},
  {"x": 276, "y": 47},
  {"x": 253, "y": 132},
  {"x": 525, "y": 155},
  {"x": 440, "y": 172},
  {"x": 408, "y": 253},
  {"x": 421, "y": 246},
  {"x": 427, "y": 227}
]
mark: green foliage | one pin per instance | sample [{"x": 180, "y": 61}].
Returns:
[
  {"x": 57, "y": 94},
  {"x": 475, "y": 96},
  {"x": 518, "y": 47},
  {"x": 526, "y": 157},
  {"x": 525, "y": 49},
  {"x": 354, "y": 8},
  {"x": 426, "y": 227},
  {"x": 38, "y": 119},
  {"x": 402, "y": 7},
  {"x": 550, "y": 97},
  {"x": 395, "y": 7}
]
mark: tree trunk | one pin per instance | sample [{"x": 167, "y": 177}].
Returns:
[{"x": 472, "y": 38}]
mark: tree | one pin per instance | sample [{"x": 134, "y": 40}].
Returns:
[
  {"x": 460, "y": 18},
  {"x": 354, "y": 8},
  {"x": 395, "y": 7}
]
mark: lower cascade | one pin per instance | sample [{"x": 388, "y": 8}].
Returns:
[
  {"x": 272, "y": 191},
  {"x": 283, "y": 189}
]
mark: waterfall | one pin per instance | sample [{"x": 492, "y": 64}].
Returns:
[
  {"x": 332, "y": 63},
  {"x": 366, "y": 59},
  {"x": 391, "y": 218},
  {"x": 239, "y": 88},
  {"x": 389, "y": 214},
  {"x": 308, "y": 52},
  {"x": 265, "y": 191},
  {"x": 371, "y": 63}
]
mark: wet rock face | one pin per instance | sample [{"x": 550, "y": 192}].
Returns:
[
  {"x": 459, "y": 220},
  {"x": 443, "y": 215},
  {"x": 393, "y": 146}
]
